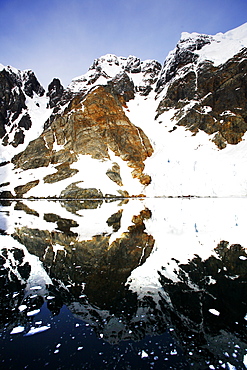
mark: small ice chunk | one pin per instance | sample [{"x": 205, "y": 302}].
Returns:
[
  {"x": 36, "y": 287},
  {"x": 101, "y": 335},
  {"x": 34, "y": 312},
  {"x": 214, "y": 312},
  {"x": 245, "y": 360},
  {"x": 231, "y": 367},
  {"x": 245, "y": 317},
  {"x": 50, "y": 297},
  {"x": 33, "y": 331},
  {"x": 243, "y": 258},
  {"x": 17, "y": 329},
  {"x": 79, "y": 348},
  {"x": 144, "y": 354},
  {"x": 22, "y": 307},
  {"x": 173, "y": 352}
]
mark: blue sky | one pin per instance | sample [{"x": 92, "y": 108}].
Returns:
[{"x": 58, "y": 38}]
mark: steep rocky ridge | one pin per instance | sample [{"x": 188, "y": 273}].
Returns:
[
  {"x": 207, "y": 97},
  {"x": 16, "y": 87}
]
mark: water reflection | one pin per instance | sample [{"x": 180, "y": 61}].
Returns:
[{"x": 143, "y": 281}]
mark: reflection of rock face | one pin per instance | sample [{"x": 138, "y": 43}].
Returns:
[
  {"x": 102, "y": 267},
  {"x": 208, "y": 303},
  {"x": 13, "y": 273},
  {"x": 203, "y": 309}
]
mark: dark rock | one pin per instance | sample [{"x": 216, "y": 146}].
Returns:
[
  {"x": 63, "y": 172},
  {"x": 4, "y": 163},
  {"x": 55, "y": 92},
  {"x": 18, "y": 138},
  {"x": 23, "y": 207},
  {"x": 25, "y": 122},
  {"x": 133, "y": 65},
  {"x": 63, "y": 224},
  {"x": 122, "y": 85},
  {"x": 2, "y": 125},
  {"x": 4, "y": 184},
  {"x": 22, "y": 189},
  {"x": 74, "y": 192},
  {"x": 12, "y": 100},
  {"x": 35, "y": 155},
  {"x": 115, "y": 220},
  {"x": 6, "y": 194},
  {"x": 114, "y": 174},
  {"x": 32, "y": 85}
]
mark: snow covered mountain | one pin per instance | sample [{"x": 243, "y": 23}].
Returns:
[{"x": 129, "y": 127}]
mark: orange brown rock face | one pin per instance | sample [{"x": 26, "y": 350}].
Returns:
[{"x": 90, "y": 125}]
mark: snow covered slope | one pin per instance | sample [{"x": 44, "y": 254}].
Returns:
[{"x": 129, "y": 127}]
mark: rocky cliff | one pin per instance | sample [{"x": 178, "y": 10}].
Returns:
[{"x": 120, "y": 129}]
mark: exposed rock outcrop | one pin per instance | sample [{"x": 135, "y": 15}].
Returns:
[
  {"x": 209, "y": 98},
  {"x": 91, "y": 125},
  {"x": 15, "y": 87}
]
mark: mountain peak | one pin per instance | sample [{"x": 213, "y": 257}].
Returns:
[
  {"x": 107, "y": 67},
  {"x": 216, "y": 48}
]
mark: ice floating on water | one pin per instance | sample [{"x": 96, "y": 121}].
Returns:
[
  {"x": 214, "y": 312},
  {"x": 37, "y": 287},
  {"x": 144, "y": 354},
  {"x": 245, "y": 360},
  {"x": 37, "y": 330},
  {"x": 243, "y": 258},
  {"x": 34, "y": 312},
  {"x": 173, "y": 352},
  {"x": 22, "y": 307},
  {"x": 17, "y": 329},
  {"x": 231, "y": 367}
]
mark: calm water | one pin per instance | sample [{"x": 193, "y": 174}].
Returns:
[{"x": 133, "y": 284}]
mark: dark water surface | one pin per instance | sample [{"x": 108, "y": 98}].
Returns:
[{"x": 133, "y": 284}]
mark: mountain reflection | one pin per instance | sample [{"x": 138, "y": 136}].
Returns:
[
  {"x": 95, "y": 267},
  {"x": 68, "y": 261},
  {"x": 207, "y": 306}
]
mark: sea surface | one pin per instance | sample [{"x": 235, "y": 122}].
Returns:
[{"x": 155, "y": 283}]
